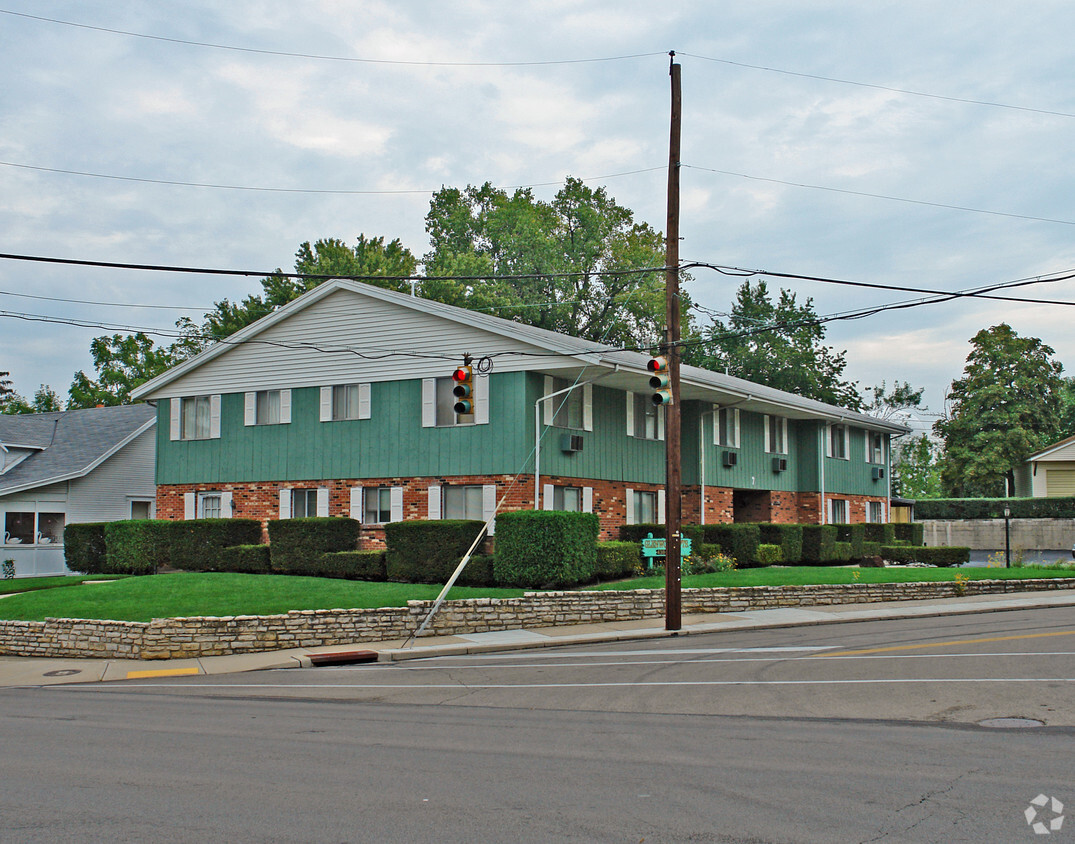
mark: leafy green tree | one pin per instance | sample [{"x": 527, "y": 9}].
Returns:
[
  {"x": 45, "y": 401},
  {"x": 1067, "y": 409},
  {"x": 1006, "y": 406},
  {"x": 916, "y": 468},
  {"x": 779, "y": 344},
  {"x": 122, "y": 361},
  {"x": 884, "y": 403},
  {"x": 5, "y": 387}
]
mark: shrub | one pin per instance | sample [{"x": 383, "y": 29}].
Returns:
[
  {"x": 853, "y": 535},
  {"x": 297, "y": 545},
  {"x": 841, "y": 552},
  {"x": 541, "y": 547},
  {"x": 945, "y": 556},
  {"x": 871, "y": 549},
  {"x": 788, "y": 537},
  {"x": 479, "y": 571},
  {"x": 197, "y": 544},
  {"x": 770, "y": 555},
  {"x": 883, "y": 534},
  {"x": 354, "y": 565},
  {"x": 422, "y": 551},
  {"x": 636, "y": 533},
  {"x": 84, "y": 547},
  {"x": 738, "y": 541},
  {"x": 244, "y": 559},
  {"x": 818, "y": 544},
  {"x": 137, "y": 546},
  {"x": 617, "y": 560},
  {"x": 993, "y": 508},
  {"x": 913, "y": 532}
]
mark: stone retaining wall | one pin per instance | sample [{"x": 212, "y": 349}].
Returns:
[{"x": 172, "y": 638}]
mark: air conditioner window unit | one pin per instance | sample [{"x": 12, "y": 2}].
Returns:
[
  {"x": 730, "y": 458},
  {"x": 571, "y": 442},
  {"x": 780, "y": 464},
  {"x": 878, "y": 473}
]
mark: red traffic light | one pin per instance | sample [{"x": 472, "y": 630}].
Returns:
[
  {"x": 461, "y": 374},
  {"x": 658, "y": 364}
]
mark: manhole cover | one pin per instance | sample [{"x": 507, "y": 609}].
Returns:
[
  {"x": 63, "y": 672},
  {"x": 1011, "y": 723}
]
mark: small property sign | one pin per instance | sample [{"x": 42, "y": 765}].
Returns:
[{"x": 656, "y": 547}]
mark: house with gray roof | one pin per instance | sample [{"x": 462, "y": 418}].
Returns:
[
  {"x": 89, "y": 465},
  {"x": 341, "y": 403}
]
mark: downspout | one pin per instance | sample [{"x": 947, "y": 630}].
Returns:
[{"x": 824, "y": 431}]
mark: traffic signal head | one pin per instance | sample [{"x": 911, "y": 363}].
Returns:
[
  {"x": 659, "y": 380},
  {"x": 463, "y": 389}
]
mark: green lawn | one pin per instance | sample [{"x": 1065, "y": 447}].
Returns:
[
  {"x": 217, "y": 594},
  {"x": 30, "y": 584}
]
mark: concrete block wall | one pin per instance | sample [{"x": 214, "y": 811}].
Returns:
[{"x": 988, "y": 534}]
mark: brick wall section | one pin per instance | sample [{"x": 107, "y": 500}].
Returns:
[{"x": 198, "y": 637}]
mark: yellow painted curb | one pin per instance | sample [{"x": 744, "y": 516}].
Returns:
[{"x": 163, "y": 672}]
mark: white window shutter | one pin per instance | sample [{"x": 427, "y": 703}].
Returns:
[
  {"x": 250, "y": 409},
  {"x": 434, "y": 502},
  {"x": 869, "y": 437},
  {"x": 629, "y": 494},
  {"x": 547, "y": 493},
  {"x": 481, "y": 400},
  {"x": 326, "y": 404},
  {"x": 768, "y": 438},
  {"x": 828, "y": 440},
  {"x": 587, "y": 499},
  {"x": 363, "y": 401},
  {"x": 547, "y": 405},
  {"x": 285, "y": 504},
  {"x": 429, "y": 405},
  {"x": 214, "y": 417},
  {"x": 395, "y": 503},
  {"x": 736, "y": 413},
  {"x": 660, "y": 506},
  {"x": 225, "y": 505},
  {"x": 285, "y": 407},
  {"x": 660, "y": 422},
  {"x": 190, "y": 504},
  {"x": 785, "y": 446},
  {"x": 489, "y": 505},
  {"x": 322, "y": 501},
  {"x": 630, "y": 414},
  {"x": 716, "y": 424},
  {"x": 174, "y": 411},
  {"x": 587, "y": 407},
  {"x": 355, "y": 509}
]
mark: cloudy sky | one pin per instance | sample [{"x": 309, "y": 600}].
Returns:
[{"x": 809, "y": 142}]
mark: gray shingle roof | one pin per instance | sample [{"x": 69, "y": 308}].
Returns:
[{"x": 67, "y": 444}]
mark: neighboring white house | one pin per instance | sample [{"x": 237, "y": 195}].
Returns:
[
  {"x": 91, "y": 465},
  {"x": 1048, "y": 474}
]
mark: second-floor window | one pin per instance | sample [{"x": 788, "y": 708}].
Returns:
[
  {"x": 726, "y": 427},
  {"x": 875, "y": 447},
  {"x": 647, "y": 418},
  {"x": 446, "y": 399},
  {"x": 776, "y": 435},
  {"x": 567, "y": 407},
  {"x": 838, "y": 441},
  {"x": 194, "y": 415},
  {"x": 345, "y": 401},
  {"x": 267, "y": 407}
]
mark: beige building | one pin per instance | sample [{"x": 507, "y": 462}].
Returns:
[{"x": 1048, "y": 474}]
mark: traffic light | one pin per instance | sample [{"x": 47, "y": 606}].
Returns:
[
  {"x": 463, "y": 389},
  {"x": 662, "y": 392}
]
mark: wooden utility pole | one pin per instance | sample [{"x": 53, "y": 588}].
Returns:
[{"x": 673, "y": 498}]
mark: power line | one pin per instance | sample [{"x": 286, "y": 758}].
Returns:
[
  {"x": 906, "y": 91},
  {"x": 882, "y": 196},
  {"x": 105, "y": 304},
  {"x": 321, "y": 57}
]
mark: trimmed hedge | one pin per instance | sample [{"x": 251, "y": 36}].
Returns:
[
  {"x": 197, "y": 544},
  {"x": 738, "y": 541},
  {"x": 636, "y": 533},
  {"x": 543, "y": 547},
  {"x": 617, "y": 560},
  {"x": 296, "y": 546},
  {"x": 819, "y": 543},
  {"x": 855, "y": 536},
  {"x": 354, "y": 565},
  {"x": 841, "y": 552},
  {"x": 770, "y": 555},
  {"x": 421, "y": 551},
  {"x": 913, "y": 532},
  {"x": 883, "y": 534},
  {"x": 993, "y": 508},
  {"x": 944, "y": 556},
  {"x": 479, "y": 571},
  {"x": 245, "y": 559},
  {"x": 137, "y": 546},
  {"x": 84, "y": 547},
  {"x": 788, "y": 537}
]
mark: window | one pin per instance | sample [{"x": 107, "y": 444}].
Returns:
[
  {"x": 194, "y": 413},
  {"x": 874, "y": 512},
  {"x": 267, "y": 407},
  {"x": 726, "y": 427},
  {"x": 27, "y": 528},
  {"x": 378, "y": 506},
  {"x": 644, "y": 507},
  {"x": 839, "y": 511},
  {"x": 648, "y": 417},
  {"x": 567, "y": 407},
  {"x": 875, "y": 447},
  {"x": 567, "y": 498},
  {"x": 209, "y": 505},
  {"x": 345, "y": 401},
  {"x": 446, "y": 415},
  {"x": 19, "y": 529},
  {"x": 838, "y": 441},
  {"x": 141, "y": 509},
  {"x": 303, "y": 503},
  {"x": 463, "y": 502},
  {"x": 776, "y": 435}
]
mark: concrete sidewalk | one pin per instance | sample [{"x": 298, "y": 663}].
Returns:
[{"x": 21, "y": 671}]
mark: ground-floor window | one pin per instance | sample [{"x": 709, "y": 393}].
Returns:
[
  {"x": 141, "y": 509},
  {"x": 209, "y": 505},
  {"x": 30, "y": 528},
  {"x": 874, "y": 512},
  {"x": 838, "y": 511},
  {"x": 378, "y": 506},
  {"x": 567, "y": 498},
  {"x": 644, "y": 507},
  {"x": 463, "y": 502},
  {"x": 303, "y": 503}
]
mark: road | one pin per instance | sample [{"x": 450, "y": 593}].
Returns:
[{"x": 852, "y": 732}]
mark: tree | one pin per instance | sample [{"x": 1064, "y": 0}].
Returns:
[
  {"x": 916, "y": 468},
  {"x": 5, "y": 387},
  {"x": 885, "y": 404},
  {"x": 1067, "y": 409},
  {"x": 45, "y": 401},
  {"x": 778, "y": 344},
  {"x": 482, "y": 234},
  {"x": 1006, "y": 406},
  {"x": 122, "y": 361}
]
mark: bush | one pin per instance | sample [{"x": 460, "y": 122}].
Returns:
[
  {"x": 354, "y": 565},
  {"x": 422, "y": 551},
  {"x": 818, "y": 544},
  {"x": 946, "y": 556},
  {"x": 913, "y": 532},
  {"x": 788, "y": 537},
  {"x": 297, "y": 545},
  {"x": 883, "y": 534},
  {"x": 636, "y": 533},
  {"x": 738, "y": 541},
  {"x": 770, "y": 555},
  {"x": 841, "y": 552},
  {"x": 545, "y": 547},
  {"x": 871, "y": 549},
  {"x": 479, "y": 571},
  {"x": 617, "y": 560},
  {"x": 137, "y": 546},
  {"x": 244, "y": 559},
  {"x": 197, "y": 544},
  {"x": 993, "y": 508},
  {"x": 853, "y": 535},
  {"x": 84, "y": 547}
]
